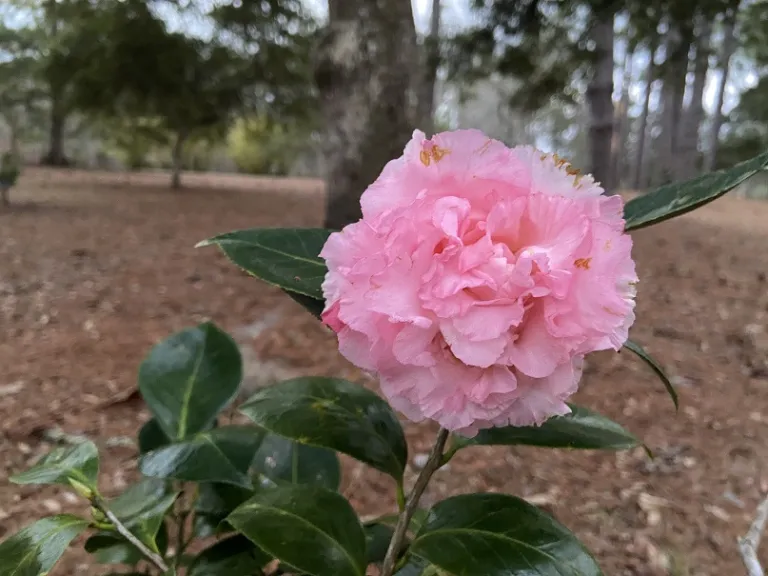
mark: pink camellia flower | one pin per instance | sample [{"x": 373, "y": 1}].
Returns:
[{"x": 477, "y": 280}]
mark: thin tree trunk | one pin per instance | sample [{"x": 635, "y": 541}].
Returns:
[
  {"x": 694, "y": 116},
  {"x": 426, "y": 98},
  {"x": 177, "y": 157},
  {"x": 643, "y": 128},
  {"x": 599, "y": 96},
  {"x": 673, "y": 92},
  {"x": 55, "y": 155},
  {"x": 728, "y": 48},
  {"x": 364, "y": 75},
  {"x": 4, "y": 192},
  {"x": 13, "y": 125},
  {"x": 619, "y": 147}
]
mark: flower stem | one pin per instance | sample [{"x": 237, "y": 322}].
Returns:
[
  {"x": 434, "y": 462},
  {"x": 98, "y": 503}
]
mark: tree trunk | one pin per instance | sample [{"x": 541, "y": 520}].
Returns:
[
  {"x": 363, "y": 73},
  {"x": 728, "y": 48},
  {"x": 619, "y": 146},
  {"x": 599, "y": 96},
  {"x": 13, "y": 126},
  {"x": 177, "y": 157},
  {"x": 426, "y": 100},
  {"x": 688, "y": 158},
  {"x": 673, "y": 92},
  {"x": 4, "y": 192},
  {"x": 55, "y": 155},
  {"x": 643, "y": 128}
]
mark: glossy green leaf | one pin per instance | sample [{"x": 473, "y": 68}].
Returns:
[
  {"x": 189, "y": 378},
  {"x": 142, "y": 508},
  {"x": 152, "y": 437},
  {"x": 285, "y": 257},
  {"x": 334, "y": 414},
  {"x": 220, "y": 455},
  {"x": 235, "y": 556},
  {"x": 311, "y": 528},
  {"x": 281, "y": 459},
  {"x": 680, "y": 197},
  {"x": 35, "y": 549},
  {"x": 377, "y": 538},
  {"x": 645, "y": 357},
  {"x": 214, "y": 503},
  {"x": 582, "y": 429},
  {"x": 499, "y": 535},
  {"x": 79, "y": 462},
  {"x": 111, "y": 548},
  {"x": 313, "y": 305}
]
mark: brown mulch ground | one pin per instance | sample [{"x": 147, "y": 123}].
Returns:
[{"x": 94, "y": 269}]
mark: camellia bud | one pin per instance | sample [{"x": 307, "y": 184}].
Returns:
[{"x": 80, "y": 488}]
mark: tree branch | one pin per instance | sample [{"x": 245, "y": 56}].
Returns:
[
  {"x": 152, "y": 557},
  {"x": 434, "y": 462},
  {"x": 748, "y": 544}
]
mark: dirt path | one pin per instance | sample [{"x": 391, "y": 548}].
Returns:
[{"x": 95, "y": 269}]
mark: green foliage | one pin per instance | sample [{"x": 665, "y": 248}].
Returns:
[
  {"x": 680, "y": 197},
  {"x": 308, "y": 527},
  {"x": 281, "y": 460},
  {"x": 463, "y": 530},
  {"x": 142, "y": 509},
  {"x": 222, "y": 455},
  {"x": 235, "y": 556},
  {"x": 107, "y": 547},
  {"x": 288, "y": 258},
  {"x": 78, "y": 463},
  {"x": 270, "y": 491},
  {"x": 333, "y": 414},
  {"x": 259, "y": 145},
  {"x": 189, "y": 378},
  {"x": 657, "y": 369},
  {"x": 134, "y": 139},
  {"x": 581, "y": 429},
  {"x": 34, "y": 550}
]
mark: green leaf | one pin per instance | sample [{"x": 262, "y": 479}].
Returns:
[
  {"x": 281, "y": 459},
  {"x": 79, "y": 463},
  {"x": 285, "y": 257},
  {"x": 416, "y": 566},
  {"x": 334, "y": 414},
  {"x": 35, "y": 549},
  {"x": 220, "y": 455},
  {"x": 313, "y": 305},
  {"x": 645, "y": 357},
  {"x": 142, "y": 509},
  {"x": 680, "y": 197},
  {"x": 377, "y": 538},
  {"x": 236, "y": 556},
  {"x": 581, "y": 429},
  {"x": 189, "y": 378},
  {"x": 214, "y": 503},
  {"x": 308, "y": 527},
  {"x": 418, "y": 518},
  {"x": 378, "y": 533},
  {"x": 111, "y": 548},
  {"x": 152, "y": 437},
  {"x": 497, "y": 534}
]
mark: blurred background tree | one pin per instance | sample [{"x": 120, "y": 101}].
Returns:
[{"x": 637, "y": 92}]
